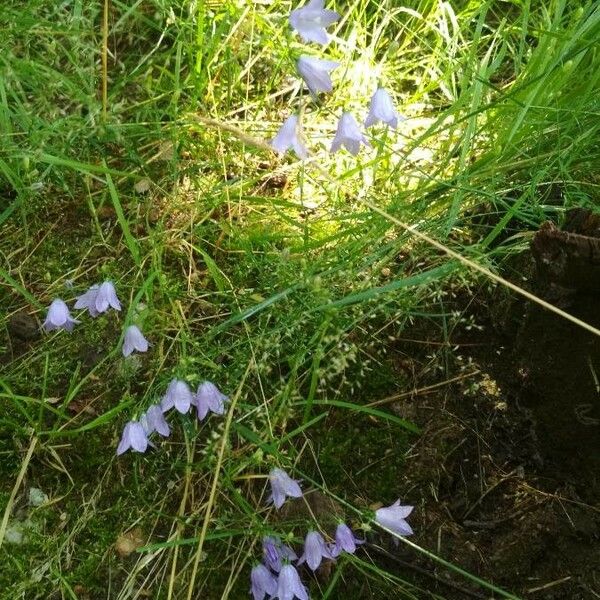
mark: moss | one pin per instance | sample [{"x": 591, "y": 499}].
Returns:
[{"x": 361, "y": 456}]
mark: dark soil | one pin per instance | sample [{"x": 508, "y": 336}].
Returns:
[{"x": 509, "y": 463}]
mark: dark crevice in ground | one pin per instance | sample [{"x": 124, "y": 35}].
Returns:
[{"x": 508, "y": 465}]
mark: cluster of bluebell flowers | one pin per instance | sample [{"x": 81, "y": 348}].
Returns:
[
  {"x": 208, "y": 398},
  {"x": 277, "y": 577},
  {"x": 310, "y": 22},
  {"x": 97, "y": 300}
]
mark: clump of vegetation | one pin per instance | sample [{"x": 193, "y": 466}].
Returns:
[{"x": 137, "y": 148}]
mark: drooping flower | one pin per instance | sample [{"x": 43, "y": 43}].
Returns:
[
  {"x": 275, "y": 551},
  {"x": 289, "y": 585},
  {"x": 208, "y": 397},
  {"x": 394, "y": 518},
  {"x": 311, "y": 20},
  {"x": 263, "y": 582},
  {"x": 282, "y": 485},
  {"x": 315, "y": 73},
  {"x": 154, "y": 420},
  {"x": 107, "y": 296},
  {"x": 88, "y": 300},
  {"x": 134, "y": 340},
  {"x": 288, "y": 137},
  {"x": 59, "y": 317},
  {"x": 382, "y": 109},
  {"x": 315, "y": 550},
  {"x": 178, "y": 395},
  {"x": 134, "y": 437},
  {"x": 99, "y": 298},
  {"x": 349, "y": 135},
  {"x": 344, "y": 540}
]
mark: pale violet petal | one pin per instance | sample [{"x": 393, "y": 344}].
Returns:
[
  {"x": 315, "y": 73},
  {"x": 137, "y": 437},
  {"x": 311, "y": 20},
  {"x": 134, "y": 340},
  {"x": 156, "y": 420},
  {"x": 288, "y": 137}
]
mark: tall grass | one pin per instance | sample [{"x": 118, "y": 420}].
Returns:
[{"x": 272, "y": 277}]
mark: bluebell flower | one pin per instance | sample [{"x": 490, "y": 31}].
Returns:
[
  {"x": 88, "y": 300},
  {"x": 349, "y": 135},
  {"x": 344, "y": 540},
  {"x": 178, "y": 395},
  {"x": 382, "y": 109},
  {"x": 154, "y": 420},
  {"x": 289, "y": 585},
  {"x": 315, "y": 550},
  {"x": 310, "y": 21},
  {"x": 59, "y": 317},
  {"x": 98, "y": 299},
  {"x": 394, "y": 518},
  {"x": 107, "y": 297},
  {"x": 282, "y": 485},
  {"x": 134, "y": 340},
  {"x": 208, "y": 397},
  {"x": 288, "y": 137},
  {"x": 263, "y": 582},
  {"x": 133, "y": 437},
  {"x": 315, "y": 73},
  {"x": 275, "y": 552}
]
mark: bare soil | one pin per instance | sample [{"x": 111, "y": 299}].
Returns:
[{"x": 509, "y": 461}]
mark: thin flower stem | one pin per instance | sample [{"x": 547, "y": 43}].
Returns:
[
  {"x": 181, "y": 512},
  {"x": 105, "y": 60},
  {"x": 404, "y": 540},
  {"x": 477, "y": 267},
  {"x": 13, "y": 494},
  {"x": 215, "y": 481},
  {"x": 236, "y": 131},
  {"x": 451, "y": 566}
]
